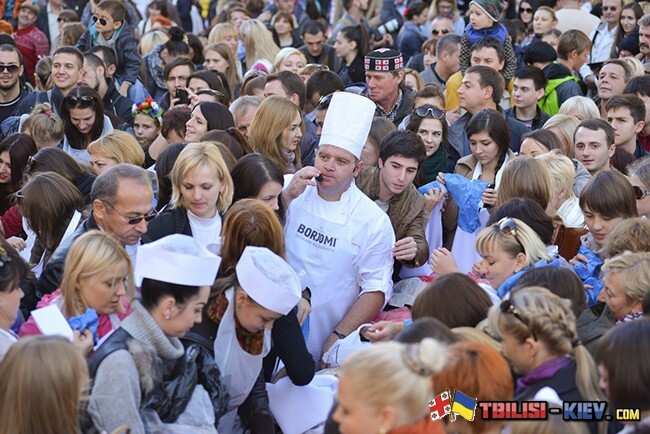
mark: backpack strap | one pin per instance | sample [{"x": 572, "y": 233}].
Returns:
[{"x": 115, "y": 342}]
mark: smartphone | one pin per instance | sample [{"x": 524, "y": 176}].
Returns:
[{"x": 183, "y": 97}]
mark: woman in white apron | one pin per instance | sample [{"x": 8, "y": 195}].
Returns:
[
  {"x": 489, "y": 139},
  {"x": 13, "y": 272},
  {"x": 98, "y": 275},
  {"x": 262, "y": 289}
]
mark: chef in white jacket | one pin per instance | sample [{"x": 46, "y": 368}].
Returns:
[{"x": 334, "y": 233}]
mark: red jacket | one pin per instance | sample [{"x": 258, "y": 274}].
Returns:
[{"x": 32, "y": 44}]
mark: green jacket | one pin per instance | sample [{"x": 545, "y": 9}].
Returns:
[{"x": 549, "y": 102}]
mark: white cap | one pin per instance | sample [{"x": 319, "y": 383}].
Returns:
[
  {"x": 268, "y": 279},
  {"x": 178, "y": 259},
  {"x": 347, "y": 122}
]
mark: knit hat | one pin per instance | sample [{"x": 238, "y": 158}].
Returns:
[
  {"x": 384, "y": 60},
  {"x": 539, "y": 51},
  {"x": 491, "y": 8},
  {"x": 32, "y": 6},
  {"x": 630, "y": 43}
]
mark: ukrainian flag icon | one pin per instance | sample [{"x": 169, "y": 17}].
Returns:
[{"x": 464, "y": 405}]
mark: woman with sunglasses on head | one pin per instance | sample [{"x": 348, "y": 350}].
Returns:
[
  {"x": 639, "y": 173},
  {"x": 84, "y": 121},
  {"x": 98, "y": 275},
  {"x": 429, "y": 123},
  {"x": 352, "y": 44},
  {"x": 207, "y": 116},
  {"x": 207, "y": 80},
  {"x": 201, "y": 192},
  {"x": 539, "y": 339}
]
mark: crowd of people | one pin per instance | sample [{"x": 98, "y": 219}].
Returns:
[{"x": 314, "y": 216}]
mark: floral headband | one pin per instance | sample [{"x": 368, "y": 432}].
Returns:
[{"x": 150, "y": 108}]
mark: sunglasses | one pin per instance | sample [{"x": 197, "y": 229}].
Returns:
[
  {"x": 439, "y": 32},
  {"x": 508, "y": 226},
  {"x": 508, "y": 307},
  {"x": 424, "y": 112},
  {"x": 11, "y": 68},
  {"x": 320, "y": 66},
  {"x": 212, "y": 92},
  {"x": 640, "y": 193},
  {"x": 324, "y": 102},
  {"x": 133, "y": 220},
  {"x": 64, "y": 20},
  {"x": 102, "y": 21},
  {"x": 72, "y": 101},
  {"x": 526, "y": 10}
]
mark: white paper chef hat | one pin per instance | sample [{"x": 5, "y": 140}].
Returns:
[
  {"x": 347, "y": 122},
  {"x": 176, "y": 259},
  {"x": 268, "y": 279}
]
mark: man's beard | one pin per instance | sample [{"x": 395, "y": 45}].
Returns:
[{"x": 7, "y": 87}]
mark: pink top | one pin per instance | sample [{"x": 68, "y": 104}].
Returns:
[{"x": 105, "y": 325}]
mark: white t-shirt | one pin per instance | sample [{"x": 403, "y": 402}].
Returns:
[{"x": 205, "y": 231}]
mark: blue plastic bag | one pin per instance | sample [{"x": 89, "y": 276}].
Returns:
[
  {"x": 86, "y": 321},
  {"x": 467, "y": 194},
  {"x": 589, "y": 273}
]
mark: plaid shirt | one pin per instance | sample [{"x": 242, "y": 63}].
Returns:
[{"x": 393, "y": 112}]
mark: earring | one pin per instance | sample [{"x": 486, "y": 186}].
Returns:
[{"x": 168, "y": 317}]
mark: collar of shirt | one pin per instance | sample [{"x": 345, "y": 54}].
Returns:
[{"x": 390, "y": 115}]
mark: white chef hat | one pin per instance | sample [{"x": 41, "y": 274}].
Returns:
[
  {"x": 178, "y": 259},
  {"x": 347, "y": 122},
  {"x": 268, "y": 279}
]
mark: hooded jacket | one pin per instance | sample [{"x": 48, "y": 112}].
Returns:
[{"x": 562, "y": 85}]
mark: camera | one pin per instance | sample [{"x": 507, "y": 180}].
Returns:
[{"x": 387, "y": 27}]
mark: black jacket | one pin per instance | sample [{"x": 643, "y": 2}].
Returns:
[
  {"x": 85, "y": 185},
  {"x": 172, "y": 221},
  {"x": 116, "y": 104},
  {"x": 567, "y": 89},
  {"x": 52, "y": 275}
]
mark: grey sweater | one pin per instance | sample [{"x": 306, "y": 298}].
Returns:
[{"x": 117, "y": 390}]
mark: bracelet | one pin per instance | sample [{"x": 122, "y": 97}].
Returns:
[{"x": 339, "y": 335}]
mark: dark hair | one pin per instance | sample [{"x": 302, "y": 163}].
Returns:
[
  {"x": 610, "y": 194},
  {"x": 455, "y": 299},
  {"x": 223, "y": 86},
  {"x": 561, "y": 281},
  {"x": 152, "y": 291},
  {"x": 55, "y": 160},
  {"x": 94, "y": 60},
  {"x": 529, "y": 212},
  {"x": 490, "y": 42},
  {"x": 415, "y": 121},
  {"x": 534, "y": 4},
  {"x": 179, "y": 61},
  {"x": 621, "y": 160},
  {"x": 20, "y": 147},
  {"x": 448, "y": 43},
  {"x": 161, "y": 5},
  {"x": 217, "y": 115},
  {"x": 625, "y": 359},
  {"x": 430, "y": 90},
  {"x": 415, "y": 8},
  {"x": 252, "y": 83},
  {"x": 595, "y": 125},
  {"x": 312, "y": 27},
  {"x": 532, "y": 73},
  {"x": 197, "y": 48},
  {"x": 107, "y": 53},
  {"x": 232, "y": 139},
  {"x": 8, "y": 48},
  {"x": 74, "y": 136},
  {"x": 209, "y": 77},
  {"x": 323, "y": 82},
  {"x": 15, "y": 270},
  {"x": 177, "y": 45},
  {"x": 489, "y": 77},
  {"x": 546, "y": 138},
  {"x": 427, "y": 327},
  {"x": 492, "y": 122},
  {"x": 631, "y": 102},
  {"x": 164, "y": 165},
  {"x": 115, "y": 8},
  {"x": 291, "y": 83},
  {"x": 379, "y": 129},
  {"x": 358, "y": 34},
  {"x": 638, "y": 86},
  {"x": 70, "y": 50},
  {"x": 405, "y": 144},
  {"x": 175, "y": 119},
  {"x": 251, "y": 173}
]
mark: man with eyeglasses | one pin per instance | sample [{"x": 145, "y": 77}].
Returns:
[
  {"x": 570, "y": 16},
  {"x": 447, "y": 63},
  {"x": 11, "y": 92},
  {"x": 31, "y": 41},
  {"x": 122, "y": 200}
]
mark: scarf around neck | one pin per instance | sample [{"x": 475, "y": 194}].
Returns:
[{"x": 546, "y": 370}]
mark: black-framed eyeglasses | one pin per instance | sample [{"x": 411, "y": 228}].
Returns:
[
  {"x": 440, "y": 32},
  {"x": 85, "y": 101},
  {"x": 640, "y": 193},
  {"x": 508, "y": 226},
  {"x": 432, "y": 112},
  {"x": 324, "y": 102},
  {"x": 11, "y": 68},
  {"x": 133, "y": 220},
  {"x": 102, "y": 21},
  {"x": 527, "y": 10},
  {"x": 508, "y": 307}
]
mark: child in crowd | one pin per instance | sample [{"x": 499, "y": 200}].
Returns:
[
  {"x": 109, "y": 28},
  {"x": 44, "y": 126},
  {"x": 484, "y": 21}
]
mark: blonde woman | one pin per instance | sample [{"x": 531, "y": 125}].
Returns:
[
  {"x": 114, "y": 148},
  {"x": 44, "y": 126},
  {"x": 98, "y": 275},
  {"x": 276, "y": 132},
  {"x": 259, "y": 45},
  {"x": 202, "y": 191},
  {"x": 226, "y": 32},
  {"x": 289, "y": 59},
  {"x": 539, "y": 339},
  {"x": 563, "y": 126},
  {"x": 525, "y": 177},
  {"x": 627, "y": 279},
  {"x": 562, "y": 173},
  {"x": 151, "y": 40},
  {"x": 385, "y": 388},
  {"x": 218, "y": 57},
  {"x": 580, "y": 107}
]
